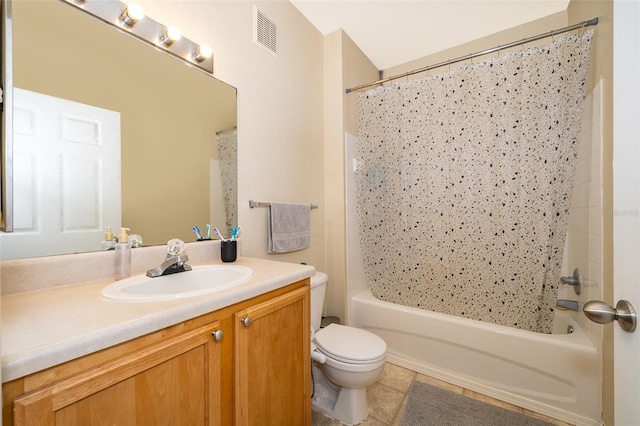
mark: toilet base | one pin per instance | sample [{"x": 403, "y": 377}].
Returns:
[{"x": 349, "y": 406}]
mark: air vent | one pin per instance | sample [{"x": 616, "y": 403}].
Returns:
[{"x": 265, "y": 31}]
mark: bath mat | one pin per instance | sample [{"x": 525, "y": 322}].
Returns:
[{"x": 429, "y": 405}]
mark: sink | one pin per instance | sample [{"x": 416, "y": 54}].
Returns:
[{"x": 202, "y": 279}]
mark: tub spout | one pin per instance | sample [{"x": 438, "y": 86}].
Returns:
[{"x": 572, "y": 305}]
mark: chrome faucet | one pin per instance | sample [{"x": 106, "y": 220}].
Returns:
[
  {"x": 174, "y": 262},
  {"x": 572, "y": 305}
]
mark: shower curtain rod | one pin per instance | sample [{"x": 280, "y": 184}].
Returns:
[
  {"x": 219, "y": 132},
  {"x": 552, "y": 33}
]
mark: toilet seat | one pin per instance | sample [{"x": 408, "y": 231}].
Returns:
[{"x": 350, "y": 345}]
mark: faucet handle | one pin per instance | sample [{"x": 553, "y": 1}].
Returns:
[
  {"x": 175, "y": 247},
  {"x": 575, "y": 280}
]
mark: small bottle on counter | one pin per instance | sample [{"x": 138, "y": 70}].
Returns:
[
  {"x": 123, "y": 255},
  {"x": 110, "y": 240}
]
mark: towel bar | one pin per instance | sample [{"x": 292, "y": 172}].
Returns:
[{"x": 253, "y": 204}]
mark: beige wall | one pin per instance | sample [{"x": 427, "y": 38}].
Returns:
[
  {"x": 335, "y": 248},
  {"x": 280, "y": 109},
  {"x": 292, "y": 115},
  {"x": 345, "y": 66}
]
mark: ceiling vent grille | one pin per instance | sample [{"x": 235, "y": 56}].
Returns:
[{"x": 265, "y": 31}]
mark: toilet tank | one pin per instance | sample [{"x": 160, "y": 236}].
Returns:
[{"x": 318, "y": 289}]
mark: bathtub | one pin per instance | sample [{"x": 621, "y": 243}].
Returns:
[{"x": 553, "y": 374}]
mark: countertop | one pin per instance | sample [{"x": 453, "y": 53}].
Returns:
[{"x": 47, "y": 327}]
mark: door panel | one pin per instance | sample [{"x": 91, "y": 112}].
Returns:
[
  {"x": 626, "y": 201},
  {"x": 63, "y": 151}
]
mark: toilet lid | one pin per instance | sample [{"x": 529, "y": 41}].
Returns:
[{"x": 350, "y": 344}]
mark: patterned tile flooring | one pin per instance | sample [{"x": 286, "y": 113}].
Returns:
[{"x": 387, "y": 399}]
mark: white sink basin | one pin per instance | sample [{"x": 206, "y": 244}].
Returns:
[{"x": 203, "y": 279}]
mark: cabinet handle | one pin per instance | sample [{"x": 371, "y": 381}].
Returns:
[
  {"x": 246, "y": 321},
  {"x": 217, "y": 335}
]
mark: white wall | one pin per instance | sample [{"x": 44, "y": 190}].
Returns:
[{"x": 280, "y": 108}]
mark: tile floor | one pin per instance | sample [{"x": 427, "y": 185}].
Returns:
[{"x": 387, "y": 398}]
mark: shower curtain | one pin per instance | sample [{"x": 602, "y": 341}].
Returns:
[
  {"x": 464, "y": 181},
  {"x": 227, "y": 145}
]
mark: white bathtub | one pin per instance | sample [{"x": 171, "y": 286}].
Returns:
[{"x": 554, "y": 374}]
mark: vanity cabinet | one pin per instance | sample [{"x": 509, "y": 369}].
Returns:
[
  {"x": 217, "y": 369},
  {"x": 272, "y": 362},
  {"x": 176, "y": 381}
]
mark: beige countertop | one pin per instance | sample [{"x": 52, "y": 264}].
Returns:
[{"x": 46, "y": 327}]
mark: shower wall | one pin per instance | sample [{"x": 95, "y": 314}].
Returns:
[
  {"x": 583, "y": 248},
  {"x": 356, "y": 278}
]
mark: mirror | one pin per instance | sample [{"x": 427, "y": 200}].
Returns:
[{"x": 175, "y": 166}]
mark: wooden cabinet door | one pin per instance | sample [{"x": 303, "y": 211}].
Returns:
[
  {"x": 174, "y": 382},
  {"x": 272, "y": 362}
]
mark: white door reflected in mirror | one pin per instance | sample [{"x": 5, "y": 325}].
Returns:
[{"x": 66, "y": 176}]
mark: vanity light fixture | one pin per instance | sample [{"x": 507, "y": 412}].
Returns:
[
  {"x": 170, "y": 36},
  {"x": 202, "y": 53},
  {"x": 132, "y": 14},
  {"x": 126, "y": 18}
]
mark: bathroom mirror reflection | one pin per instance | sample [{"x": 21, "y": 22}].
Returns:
[{"x": 109, "y": 131}]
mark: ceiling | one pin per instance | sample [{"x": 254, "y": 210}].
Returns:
[{"x": 393, "y": 32}]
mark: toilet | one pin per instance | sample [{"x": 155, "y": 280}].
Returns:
[{"x": 345, "y": 361}]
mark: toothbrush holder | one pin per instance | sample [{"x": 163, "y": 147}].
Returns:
[{"x": 228, "y": 250}]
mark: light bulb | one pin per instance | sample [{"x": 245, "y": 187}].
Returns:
[
  {"x": 170, "y": 36},
  {"x": 203, "y": 53},
  {"x": 132, "y": 14}
]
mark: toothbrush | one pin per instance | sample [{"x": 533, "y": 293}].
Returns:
[
  {"x": 196, "y": 230},
  {"x": 208, "y": 231},
  {"x": 234, "y": 233},
  {"x": 219, "y": 234}
]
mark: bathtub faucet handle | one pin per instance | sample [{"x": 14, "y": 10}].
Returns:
[{"x": 575, "y": 280}]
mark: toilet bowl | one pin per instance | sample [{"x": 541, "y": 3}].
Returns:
[{"x": 346, "y": 361}]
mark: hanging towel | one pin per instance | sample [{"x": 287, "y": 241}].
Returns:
[{"x": 289, "y": 227}]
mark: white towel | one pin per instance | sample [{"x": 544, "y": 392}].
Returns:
[{"x": 289, "y": 227}]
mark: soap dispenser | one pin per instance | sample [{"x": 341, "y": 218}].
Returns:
[
  {"x": 110, "y": 241},
  {"x": 123, "y": 255}
]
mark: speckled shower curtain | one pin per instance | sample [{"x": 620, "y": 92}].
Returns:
[
  {"x": 227, "y": 145},
  {"x": 464, "y": 182}
]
